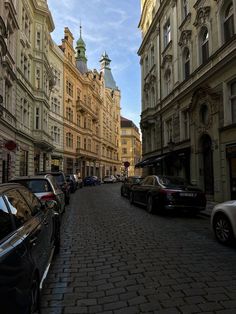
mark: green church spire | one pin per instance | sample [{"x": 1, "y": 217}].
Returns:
[{"x": 81, "y": 60}]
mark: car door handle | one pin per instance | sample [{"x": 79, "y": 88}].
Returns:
[{"x": 33, "y": 241}]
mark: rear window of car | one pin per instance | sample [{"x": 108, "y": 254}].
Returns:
[
  {"x": 36, "y": 186},
  {"x": 59, "y": 178},
  {"x": 172, "y": 182}
]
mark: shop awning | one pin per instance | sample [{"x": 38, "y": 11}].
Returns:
[{"x": 150, "y": 161}]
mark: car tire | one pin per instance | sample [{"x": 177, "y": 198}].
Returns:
[
  {"x": 223, "y": 229},
  {"x": 150, "y": 204},
  {"x": 35, "y": 297},
  {"x": 131, "y": 198}
]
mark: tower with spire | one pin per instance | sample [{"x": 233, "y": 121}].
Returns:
[
  {"x": 106, "y": 70},
  {"x": 81, "y": 60}
]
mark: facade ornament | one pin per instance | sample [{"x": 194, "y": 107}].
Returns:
[
  {"x": 167, "y": 59},
  {"x": 185, "y": 38},
  {"x": 202, "y": 16}
]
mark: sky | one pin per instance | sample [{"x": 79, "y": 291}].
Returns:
[{"x": 111, "y": 26}]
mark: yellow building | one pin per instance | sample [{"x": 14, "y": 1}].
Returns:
[{"x": 131, "y": 149}]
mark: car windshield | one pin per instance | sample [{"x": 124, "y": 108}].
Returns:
[
  {"x": 59, "y": 178},
  {"x": 172, "y": 181},
  {"x": 36, "y": 186}
]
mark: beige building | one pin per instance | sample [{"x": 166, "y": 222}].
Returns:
[
  {"x": 91, "y": 114},
  {"x": 131, "y": 148},
  {"x": 188, "y": 116},
  {"x": 34, "y": 84},
  {"x": 8, "y": 123}
]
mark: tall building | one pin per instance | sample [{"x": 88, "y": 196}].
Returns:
[
  {"x": 131, "y": 148},
  {"x": 8, "y": 124},
  {"x": 188, "y": 66},
  {"x": 91, "y": 113}
]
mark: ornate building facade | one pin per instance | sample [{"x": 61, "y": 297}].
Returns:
[
  {"x": 8, "y": 124},
  {"x": 188, "y": 116},
  {"x": 131, "y": 148}
]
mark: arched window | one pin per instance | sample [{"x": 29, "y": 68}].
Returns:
[
  {"x": 168, "y": 81},
  {"x": 204, "y": 44},
  {"x": 229, "y": 22},
  {"x": 186, "y": 62}
]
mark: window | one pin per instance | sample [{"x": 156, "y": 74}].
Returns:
[
  {"x": 69, "y": 140},
  {"x": 85, "y": 143},
  {"x": 233, "y": 101},
  {"x": 168, "y": 81},
  {"x": 89, "y": 145},
  {"x": 69, "y": 114},
  {"x": 37, "y": 119},
  {"x": 5, "y": 220},
  {"x": 124, "y": 142},
  {"x": 55, "y": 105},
  {"x": 69, "y": 88},
  {"x": 37, "y": 78},
  {"x": 56, "y": 134},
  {"x": 185, "y": 9},
  {"x": 169, "y": 131},
  {"x": 204, "y": 44},
  {"x": 167, "y": 33},
  {"x": 38, "y": 39},
  {"x": 8, "y": 95},
  {"x": 204, "y": 114},
  {"x": 24, "y": 156},
  {"x": 18, "y": 206},
  {"x": 229, "y": 22},
  {"x": 31, "y": 199},
  {"x": 186, "y": 56},
  {"x": 124, "y": 150},
  {"x": 78, "y": 141},
  {"x": 123, "y": 132}
]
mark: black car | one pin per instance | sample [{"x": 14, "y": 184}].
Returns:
[
  {"x": 72, "y": 181},
  {"x": 29, "y": 235},
  {"x": 128, "y": 183},
  {"x": 166, "y": 192},
  {"x": 61, "y": 181}
]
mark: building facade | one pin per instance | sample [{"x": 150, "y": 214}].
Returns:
[
  {"x": 188, "y": 92},
  {"x": 131, "y": 148},
  {"x": 8, "y": 78}
]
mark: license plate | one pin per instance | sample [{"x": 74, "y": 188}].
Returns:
[{"x": 187, "y": 194}]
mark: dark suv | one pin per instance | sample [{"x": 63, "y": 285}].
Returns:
[
  {"x": 29, "y": 234},
  {"x": 61, "y": 181}
]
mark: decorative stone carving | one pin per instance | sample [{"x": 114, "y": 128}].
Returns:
[
  {"x": 185, "y": 38},
  {"x": 202, "y": 16},
  {"x": 167, "y": 59}
]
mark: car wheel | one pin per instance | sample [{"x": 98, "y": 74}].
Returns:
[
  {"x": 35, "y": 297},
  {"x": 131, "y": 198},
  {"x": 223, "y": 229},
  {"x": 150, "y": 204}
]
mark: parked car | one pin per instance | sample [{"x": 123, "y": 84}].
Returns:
[
  {"x": 61, "y": 181},
  {"x": 166, "y": 192},
  {"x": 109, "y": 179},
  {"x": 45, "y": 188},
  {"x": 29, "y": 235},
  {"x": 128, "y": 183},
  {"x": 223, "y": 222},
  {"x": 91, "y": 180},
  {"x": 72, "y": 181}
]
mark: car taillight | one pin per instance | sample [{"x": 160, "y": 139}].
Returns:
[{"x": 48, "y": 197}]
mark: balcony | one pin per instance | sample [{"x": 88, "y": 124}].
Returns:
[
  {"x": 43, "y": 140},
  {"x": 84, "y": 108}
]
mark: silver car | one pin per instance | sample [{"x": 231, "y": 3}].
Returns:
[
  {"x": 45, "y": 187},
  {"x": 223, "y": 222}
]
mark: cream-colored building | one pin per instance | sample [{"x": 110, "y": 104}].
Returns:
[
  {"x": 56, "y": 120},
  {"x": 8, "y": 125},
  {"x": 131, "y": 148},
  {"x": 188, "y": 69}
]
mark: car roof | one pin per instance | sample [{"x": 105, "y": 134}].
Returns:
[
  {"x": 9, "y": 186},
  {"x": 36, "y": 177}
]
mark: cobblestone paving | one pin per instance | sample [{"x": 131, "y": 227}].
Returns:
[{"x": 118, "y": 259}]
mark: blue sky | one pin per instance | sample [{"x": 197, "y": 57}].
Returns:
[{"x": 111, "y": 26}]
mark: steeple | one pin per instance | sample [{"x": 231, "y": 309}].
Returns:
[
  {"x": 106, "y": 70},
  {"x": 81, "y": 60}
]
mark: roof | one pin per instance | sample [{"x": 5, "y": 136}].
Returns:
[{"x": 126, "y": 123}]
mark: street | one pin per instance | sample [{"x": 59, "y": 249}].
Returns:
[{"x": 117, "y": 258}]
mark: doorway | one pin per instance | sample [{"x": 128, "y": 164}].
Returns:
[{"x": 207, "y": 157}]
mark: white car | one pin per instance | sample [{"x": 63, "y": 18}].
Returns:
[
  {"x": 109, "y": 179},
  {"x": 223, "y": 221}
]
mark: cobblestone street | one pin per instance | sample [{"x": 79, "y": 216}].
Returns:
[{"x": 117, "y": 258}]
